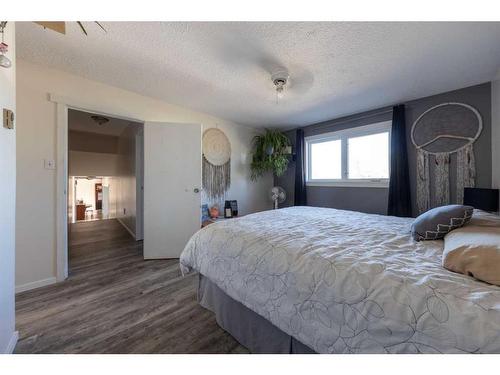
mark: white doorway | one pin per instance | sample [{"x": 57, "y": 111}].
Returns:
[
  {"x": 66, "y": 173},
  {"x": 105, "y": 162},
  {"x": 178, "y": 152}
]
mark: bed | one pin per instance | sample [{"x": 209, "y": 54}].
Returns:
[{"x": 308, "y": 279}]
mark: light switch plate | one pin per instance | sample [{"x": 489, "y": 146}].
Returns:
[
  {"x": 49, "y": 164},
  {"x": 8, "y": 119}
]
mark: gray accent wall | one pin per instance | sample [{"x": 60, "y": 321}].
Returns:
[{"x": 374, "y": 200}]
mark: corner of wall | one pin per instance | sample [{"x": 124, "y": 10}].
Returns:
[
  {"x": 8, "y": 336},
  {"x": 495, "y": 132}
]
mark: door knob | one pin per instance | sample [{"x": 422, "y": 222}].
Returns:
[{"x": 196, "y": 190}]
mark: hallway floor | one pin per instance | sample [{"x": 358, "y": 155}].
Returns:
[
  {"x": 97, "y": 215},
  {"x": 115, "y": 302}
]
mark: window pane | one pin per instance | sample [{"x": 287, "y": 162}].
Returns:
[
  {"x": 326, "y": 160},
  {"x": 368, "y": 156}
]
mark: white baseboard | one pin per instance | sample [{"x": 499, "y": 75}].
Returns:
[
  {"x": 35, "y": 284},
  {"x": 12, "y": 343},
  {"x": 126, "y": 227}
]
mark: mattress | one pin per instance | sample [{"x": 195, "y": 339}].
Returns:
[{"x": 347, "y": 282}]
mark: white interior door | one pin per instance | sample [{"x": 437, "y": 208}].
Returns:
[
  {"x": 172, "y": 184},
  {"x": 105, "y": 201}
]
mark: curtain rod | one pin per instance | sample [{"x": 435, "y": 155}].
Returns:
[
  {"x": 340, "y": 120},
  {"x": 349, "y": 118}
]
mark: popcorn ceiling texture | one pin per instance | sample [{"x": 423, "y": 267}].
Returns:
[{"x": 225, "y": 69}]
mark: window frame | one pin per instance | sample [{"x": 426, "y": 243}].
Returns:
[{"x": 343, "y": 136}]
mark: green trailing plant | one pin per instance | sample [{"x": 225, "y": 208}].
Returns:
[{"x": 269, "y": 153}]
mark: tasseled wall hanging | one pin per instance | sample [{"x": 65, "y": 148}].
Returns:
[
  {"x": 435, "y": 134},
  {"x": 423, "y": 193},
  {"x": 216, "y": 164},
  {"x": 441, "y": 180},
  {"x": 466, "y": 170}
]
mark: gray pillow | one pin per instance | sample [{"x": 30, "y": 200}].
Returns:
[{"x": 435, "y": 223}]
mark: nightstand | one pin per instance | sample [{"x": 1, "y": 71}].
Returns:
[{"x": 210, "y": 220}]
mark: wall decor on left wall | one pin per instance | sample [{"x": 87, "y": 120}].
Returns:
[{"x": 216, "y": 164}]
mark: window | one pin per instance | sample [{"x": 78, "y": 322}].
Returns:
[
  {"x": 368, "y": 156},
  {"x": 327, "y": 160},
  {"x": 353, "y": 157}
]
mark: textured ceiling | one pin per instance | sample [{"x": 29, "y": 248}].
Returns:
[
  {"x": 224, "y": 68},
  {"x": 81, "y": 121}
]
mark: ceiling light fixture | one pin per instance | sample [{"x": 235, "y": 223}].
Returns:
[
  {"x": 280, "y": 80},
  {"x": 4, "y": 60},
  {"x": 100, "y": 120}
]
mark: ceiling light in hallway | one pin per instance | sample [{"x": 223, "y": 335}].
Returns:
[{"x": 101, "y": 120}]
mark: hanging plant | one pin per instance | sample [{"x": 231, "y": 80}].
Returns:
[{"x": 270, "y": 153}]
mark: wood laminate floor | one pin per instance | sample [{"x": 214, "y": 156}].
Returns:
[
  {"x": 116, "y": 302},
  {"x": 97, "y": 215}
]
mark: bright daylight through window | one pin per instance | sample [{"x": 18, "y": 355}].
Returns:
[
  {"x": 327, "y": 160},
  {"x": 368, "y": 156}
]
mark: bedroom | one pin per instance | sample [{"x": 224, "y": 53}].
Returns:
[{"x": 307, "y": 187}]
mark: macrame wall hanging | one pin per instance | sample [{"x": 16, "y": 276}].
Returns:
[
  {"x": 216, "y": 164},
  {"x": 439, "y": 133}
]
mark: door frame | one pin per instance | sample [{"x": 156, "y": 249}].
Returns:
[
  {"x": 139, "y": 183},
  {"x": 63, "y": 104},
  {"x": 96, "y": 195}
]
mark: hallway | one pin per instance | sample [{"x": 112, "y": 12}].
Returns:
[{"x": 115, "y": 302}]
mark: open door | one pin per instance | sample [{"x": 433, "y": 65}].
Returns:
[{"x": 172, "y": 184}]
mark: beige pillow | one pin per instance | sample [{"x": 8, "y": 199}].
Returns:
[
  {"x": 480, "y": 217},
  {"x": 474, "y": 250}
]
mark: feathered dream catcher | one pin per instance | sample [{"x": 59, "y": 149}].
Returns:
[
  {"x": 216, "y": 164},
  {"x": 437, "y": 136}
]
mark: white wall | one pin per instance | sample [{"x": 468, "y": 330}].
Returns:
[
  {"x": 7, "y": 201},
  {"x": 139, "y": 184},
  {"x": 85, "y": 190},
  {"x": 71, "y": 202},
  {"x": 83, "y": 163},
  {"x": 110, "y": 182},
  {"x": 495, "y": 132},
  {"x": 36, "y": 228},
  {"x": 126, "y": 194}
]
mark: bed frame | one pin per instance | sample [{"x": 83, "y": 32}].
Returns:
[{"x": 251, "y": 330}]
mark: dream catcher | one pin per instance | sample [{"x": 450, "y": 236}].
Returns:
[
  {"x": 216, "y": 164},
  {"x": 437, "y": 137}
]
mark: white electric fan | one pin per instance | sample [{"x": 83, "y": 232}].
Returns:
[{"x": 277, "y": 195}]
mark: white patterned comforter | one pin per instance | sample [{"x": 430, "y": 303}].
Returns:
[{"x": 347, "y": 282}]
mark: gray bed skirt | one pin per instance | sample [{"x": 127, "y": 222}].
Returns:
[{"x": 251, "y": 330}]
